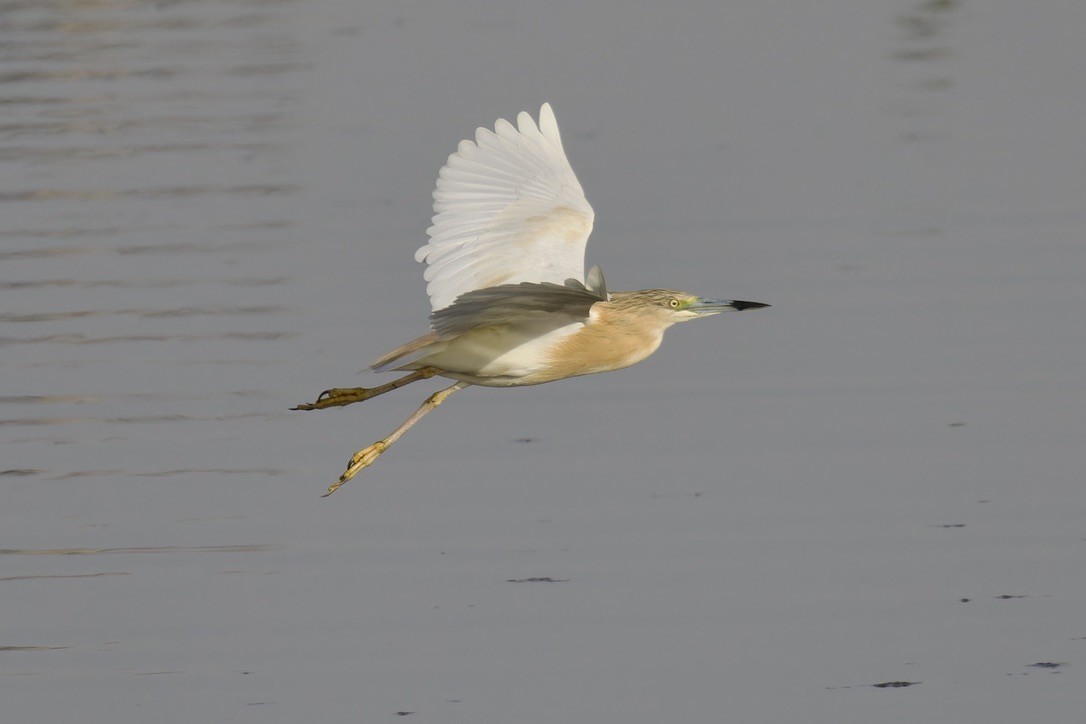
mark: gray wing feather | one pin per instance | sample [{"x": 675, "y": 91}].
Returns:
[
  {"x": 511, "y": 304},
  {"x": 594, "y": 282}
]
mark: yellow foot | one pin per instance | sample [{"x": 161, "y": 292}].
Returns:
[
  {"x": 359, "y": 462},
  {"x": 338, "y": 397}
]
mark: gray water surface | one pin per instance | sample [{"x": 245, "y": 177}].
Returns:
[{"x": 208, "y": 212}]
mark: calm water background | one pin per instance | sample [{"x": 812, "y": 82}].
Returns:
[{"x": 207, "y": 215}]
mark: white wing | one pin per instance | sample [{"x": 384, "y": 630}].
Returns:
[{"x": 507, "y": 209}]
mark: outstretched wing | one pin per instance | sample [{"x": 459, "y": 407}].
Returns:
[{"x": 508, "y": 209}]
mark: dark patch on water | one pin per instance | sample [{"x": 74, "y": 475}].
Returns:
[{"x": 895, "y": 684}]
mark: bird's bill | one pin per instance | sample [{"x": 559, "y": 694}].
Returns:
[{"x": 709, "y": 307}]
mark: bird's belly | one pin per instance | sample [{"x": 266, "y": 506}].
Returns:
[{"x": 501, "y": 357}]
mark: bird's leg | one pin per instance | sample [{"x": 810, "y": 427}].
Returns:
[
  {"x": 340, "y": 396},
  {"x": 365, "y": 457}
]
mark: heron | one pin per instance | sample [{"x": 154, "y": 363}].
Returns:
[{"x": 511, "y": 302}]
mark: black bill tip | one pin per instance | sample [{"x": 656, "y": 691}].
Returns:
[{"x": 747, "y": 305}]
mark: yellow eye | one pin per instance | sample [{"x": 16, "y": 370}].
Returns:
[{"x": 673, "y": 303}]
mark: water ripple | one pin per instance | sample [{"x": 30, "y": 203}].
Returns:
[
  {"x": 142, "y": 313},
  {"x": 253, "y": 548},
  {"x": 63, "y": 575},
  {"x": 122, "y": 420},
  {"x": 83, "y": 339},
  {"x": 135, "y": 283},
  {"x": 147, "y": 193}
]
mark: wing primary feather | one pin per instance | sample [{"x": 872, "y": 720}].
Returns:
[{"x": 508, "y": 208}]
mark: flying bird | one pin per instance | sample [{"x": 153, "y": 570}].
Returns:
[{"x": 512, "y": 303}]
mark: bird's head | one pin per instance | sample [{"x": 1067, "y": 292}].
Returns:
[{"x": 666, "y": 307}]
